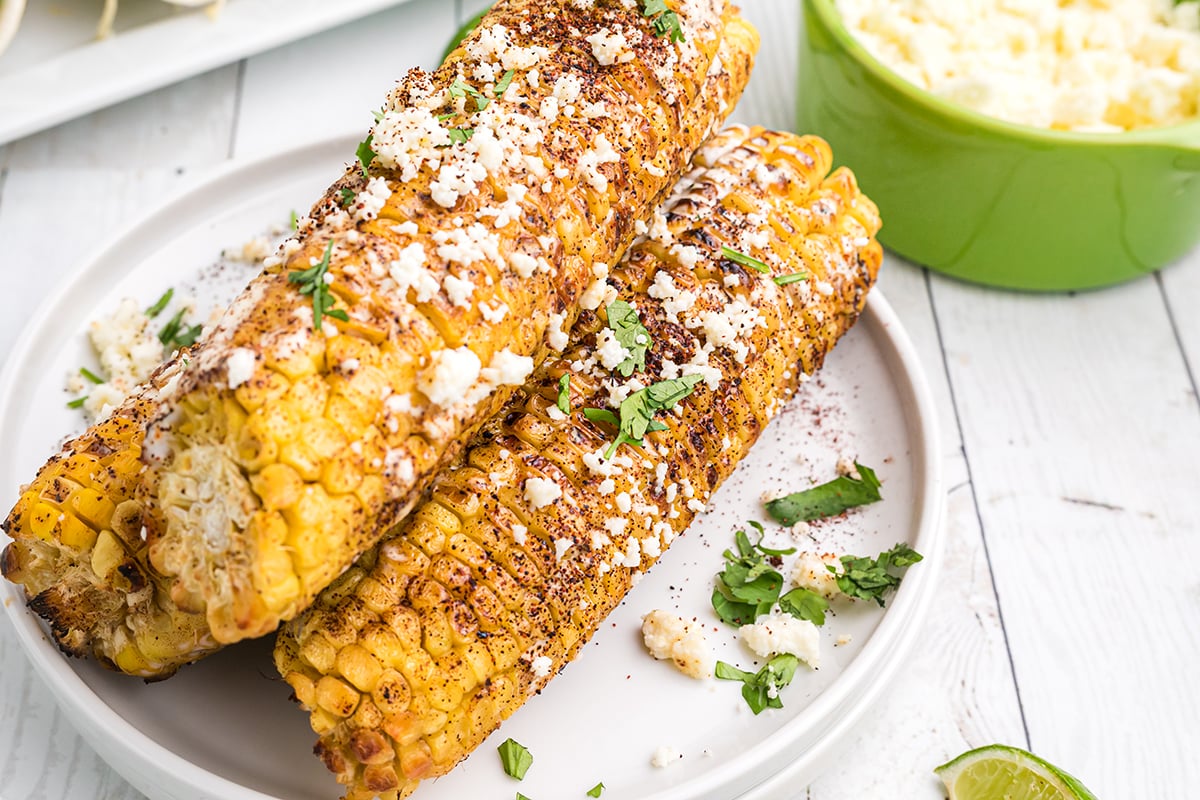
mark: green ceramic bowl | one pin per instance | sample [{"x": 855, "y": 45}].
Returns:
[{"x": 993, "y": 202}]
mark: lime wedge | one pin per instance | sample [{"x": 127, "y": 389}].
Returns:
[{"x": 998, "y": 772}]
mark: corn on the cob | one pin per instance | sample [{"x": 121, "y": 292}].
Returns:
[
  {"x": 494, "y": 193},
  {"x": 416, "y": 654}
]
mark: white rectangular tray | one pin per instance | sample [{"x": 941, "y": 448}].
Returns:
[{"x": 55, "y": 69}]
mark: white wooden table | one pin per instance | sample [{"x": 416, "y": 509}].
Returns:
[{"x": 1069, "y": 618}]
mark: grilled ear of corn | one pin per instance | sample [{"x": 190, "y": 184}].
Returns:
[
  {"x": 416, "y": 654},
  {"x": 250, "y": 472}
]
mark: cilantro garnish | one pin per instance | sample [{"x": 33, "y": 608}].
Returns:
[
  {"x": 805, "y": 604},
  {"x": 293, "y": 220},
  {"x": 748, "y": 586},
  {"x": 521, "y": 797},
  {"x": 91, "y": 376},
  {"x": 761, "y": 689},
  {"x": 365, "y": 155},
  {"x": 637, "y": 411},
  {"x": 159, "y": 304},
  {"x": 347, "y": 197},
  {"x": 744, "y": 260},
  {"x": 312, "y": 281},
  {"x": 795, "y": 277},
  {"x": 564, "y": 394},
  {"x": 77, "y": 402},
  {"x": 174, "y": 335},
  {"x": 461, "y": 135},
  {"x": 379, "y": 114},
  {"x": 502, "y": 85},
  {"x": 828, "y": 499},
  {"x": 515, "y": 759},
  {"x": 870, "y": 579},
  {"x": 631, "y": 334},
  {"x": 666, "y": 22},
  {"x": 596, "y": 790}
]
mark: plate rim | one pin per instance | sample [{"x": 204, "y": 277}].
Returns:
[{"x": 111, "y": 735}]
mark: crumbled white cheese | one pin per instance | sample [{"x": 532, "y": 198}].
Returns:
[
  {"x": 1083, "y": 65},
  {"x": 408, "y": 271},
  {"x": 609, "y": 47},
  {"x": 507, "y": 369},
  {"x": 239, "y": 366},
  {"x": 541, "y": 666},
  {"x": 589, "y": 163},
  {"x": 665, "y": 756},
  {"x": 610, "y": 351},
  {"x": 811, "y": 571},
  {"x": 371, "y": 200},
  {"x": 556, "y": 337},
  {"x": 561, "y": 546},
  {"x": 458, "y": 290},
  {"x": 519, "y": 533},
  {"x": 667, "y": 636},
  {"x": 847, "y": 468},
  {"x": 452, "y": 372},
  {"x": 541, "y": 492},
  {"x": 783, "y": 633}
]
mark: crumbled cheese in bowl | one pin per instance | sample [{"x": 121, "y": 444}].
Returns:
[{"x": 1078, "y": 65}]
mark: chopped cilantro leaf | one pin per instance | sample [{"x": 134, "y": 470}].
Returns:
[
  {"x": 623, "y": 321},
  {"x": 347, "y": 197},
  {"x": 77, "y": 402},
  {"x": 502, "y": 85},
  {"x": 365, "y": 155},
  {"x": 378, "y": 114},
  {"x": 312, "y": 281},
  {"x": 596, "y": 790},
  {"x": 805, "y": 604},
  {"x": 461, "y": 135},
  {"x": 159, "y": 304},
  {"x": 795, "y": 277},
  {"x": 744, "y": 260},
  {"x": 602, "y": 415},
  {"x": 760, "y": 689},
  {"x": 664, "y": 22},
  {"x": 564, "y": 394},
  {"x": 515, "y": 759},
  {"x": 870, "y": 579},
  {"x": 175, "y": 336},
  {"x": 828, "y": 499},
  {"x": 748, "y": 586},
  {"x": 294, "y": 220},
  {"x": 636, "y": 414},
  {"x": 91, "y": 376}
]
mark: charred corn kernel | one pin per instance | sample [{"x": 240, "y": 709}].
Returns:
[
  {"x": 384, "y": 378},
  {"x": 336, "y": 696},
  {"x": 494, "y": 597}
]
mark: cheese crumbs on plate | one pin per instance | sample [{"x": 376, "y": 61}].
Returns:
[{"x": 670, "y": 637}]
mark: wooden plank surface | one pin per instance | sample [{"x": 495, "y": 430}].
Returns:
[{"x": 1070, "y": 428}]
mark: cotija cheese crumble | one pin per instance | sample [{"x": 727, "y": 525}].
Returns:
[{"x": 1075, "y": 65}]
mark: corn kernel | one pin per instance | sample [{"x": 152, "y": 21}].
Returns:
[
  {"x": 336, "y": 696},
  {"x": 359, "y": 667}
]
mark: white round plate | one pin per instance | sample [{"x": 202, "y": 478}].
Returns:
[{"x": 224, "y": 728}]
